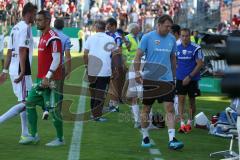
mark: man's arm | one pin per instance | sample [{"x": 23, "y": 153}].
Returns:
[
  {"x": 68, "y": 63},
  {"x": 68, "y": 46},
  {"x": 173, "y": 64},
  {"x": 137, "y": 65},
  {"x": 56, "y": 61},
  {"x": 200, "y": 63},
  {"x": 85, "y": 57},
  {"x": 22, "y": 59},
  {"x": 3, "y": 75},
  {"x": 197, "y": 68}
]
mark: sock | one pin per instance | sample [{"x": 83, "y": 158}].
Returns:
[
  {"x": 150, "y": 116},
  {"x": 171, "y": 134},
  {"x": 135, "y": 110},
  {"x": 32, "y": 119},
  {"x": 23, "y": 116},
  {"x": 182, "y": 123},
  {"x": 189, "y": 122},
  {"x": 110, "y": 103},
  {"x": 145, "y": 132},
  {"x": 115, "y": 103},
  {"x": 58, "y": 124},
  {"x": 12, "y": 112}
]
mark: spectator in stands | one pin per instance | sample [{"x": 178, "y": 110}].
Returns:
[
  {"x": 64, "y": 7},
  {"x": 3, "y": 15},
  {"x": 133, "y": 16},
  {"x": 189, "y": 62},
  {"x": 235, "y": 20}
]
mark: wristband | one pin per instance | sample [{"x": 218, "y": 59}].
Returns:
[
  {"x": 49, "y": 75},
  {"x": 5, "y": 71}
]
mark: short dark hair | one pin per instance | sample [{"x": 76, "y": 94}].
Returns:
[
  {"x": 59, "y": 24},
  {"x": 46, "y": 14},
  {"x": 101, "y": 25},
  {"x": 111, "y": 21},
  {"x": 164, "y": 18},
  {"x": 28, "y": 8},
  {"x": 186, "y": 30},
  {"x": 176, "y": 28}
]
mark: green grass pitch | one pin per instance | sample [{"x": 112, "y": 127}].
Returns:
[{"x": 115, "y": 139}]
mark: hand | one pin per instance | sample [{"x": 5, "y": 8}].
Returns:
[
  {"x": 138, "y": 78},
  {"x": 3, "y": 78},
  {"x": 19, "y": 79},
  {"x": 186, "y": 81},
  {"x": 45, "y": 83}
]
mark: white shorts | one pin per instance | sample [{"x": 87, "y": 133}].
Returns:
[
  {"x": 135, "y": 90},
  {"x": 21, "y": 89}
]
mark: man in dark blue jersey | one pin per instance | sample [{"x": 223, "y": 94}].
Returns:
[
  {"x": 190, "y": 60},
  {"x": 119, "y": 72}
]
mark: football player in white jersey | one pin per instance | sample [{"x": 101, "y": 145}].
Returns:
[{"x": 18, "y": 65}]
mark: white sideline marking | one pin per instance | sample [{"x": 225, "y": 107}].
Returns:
[
  {"x": 154, "y": 151},
  {"x": 74, "y": 151},
  {"x": 158, "y": 159}
]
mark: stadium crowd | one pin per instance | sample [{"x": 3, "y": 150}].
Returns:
[{"x": 143, "y": 12}]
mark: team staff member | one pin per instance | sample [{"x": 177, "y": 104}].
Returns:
[
  {"x": 116, "y": 84},
  {"x": 159, "y": 47},
  {"x": 190, "y": 60},
  {"x": 97, "y": 58},
  {"x": 195, "y": 38},
  {"x": 49, "y": 68},
  {"x": 129, "y": 51}
]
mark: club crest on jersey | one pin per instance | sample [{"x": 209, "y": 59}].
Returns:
[
  {"x": 26, "y": 42},
  {"x": 157, "y": 42},
  {"x": 184, "y": 52}
]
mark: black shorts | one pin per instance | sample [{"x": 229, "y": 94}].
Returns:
[
  {"x": 191, "y": 89},
  {"x": 161, "y": 91}
]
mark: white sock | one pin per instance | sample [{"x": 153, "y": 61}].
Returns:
[
  {"x": 171, "y": 134},
  {"x": 189, "y": 122},
  {"x": 182, "y": 123},
  {"x": 23, "y": 116},
  {"x": 110, "y": 103},
  {"x": 113, "y": 103},
  {"x": 145, "y": 132},
  {"x": 12, "y": 112},
  {"x": 135, "y": 111},
  {"x": 150, "y": 116}
]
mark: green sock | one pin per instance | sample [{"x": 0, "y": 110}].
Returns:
[
  {"x": 58, "y": 124},
  {"x": 32, "y": 120}
]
